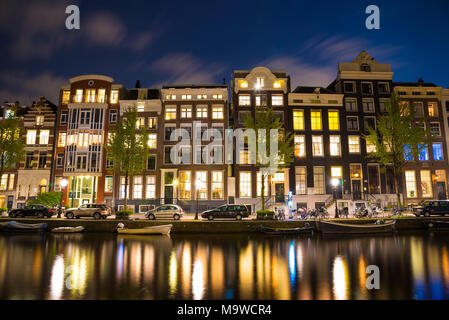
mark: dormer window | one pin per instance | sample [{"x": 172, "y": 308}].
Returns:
[
  {"x": 365, "y": 68},
  {"x": 39, "y": 120},
  {"x": 260, "y": 82}
]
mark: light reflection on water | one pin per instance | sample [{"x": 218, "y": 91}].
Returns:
[{"x": 221, "y": 267}]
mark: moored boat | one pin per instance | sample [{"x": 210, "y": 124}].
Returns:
[
  {"x": 17, "y": 226},
  {"x": 330, "y": 227},
  {"x": 286, "y": 231},
  {"x": 68, "y": 229},
  {"x": 164, "y": 230},
  {"x": 437, "y": 224}
]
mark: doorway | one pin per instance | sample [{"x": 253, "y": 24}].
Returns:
[
  {"x": 279, "y": 192},
  {"x": 441, "y": 190},
  {"x": 356, "y": 190},
  {"x": 168, "y": 194}
]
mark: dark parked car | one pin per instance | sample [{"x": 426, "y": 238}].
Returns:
[
  {"x": 35, "y": 210},
  {"x": 229, "y": 211},
  {"x": 432, "y": 208}
]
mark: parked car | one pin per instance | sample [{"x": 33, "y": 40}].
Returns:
[
  {"x": 34, "y": 210},
  {"x": 97, "y": 211},
  {"x": 168, "y": 211},
  {"x": 228, "y": 211},
  {"x": 432, "y": 208}
]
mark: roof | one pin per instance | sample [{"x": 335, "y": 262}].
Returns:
[
  {"x": 305, "y": 89},
  {"x": 419, "y": 83},
  {"x": 195, "y": 86}
]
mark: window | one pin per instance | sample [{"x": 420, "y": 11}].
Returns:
[
  {"x": 152, "y": 123},
  {"x": 167, "y": 155},
  {"x": 85, "y": 117},
  {"x": 4, "y": 182},
  {"x": 39, "y": 120},
  {"x": 423, "y": 153},
  {"x": 114, "y": 96},
  {"x": 151, "y": 163},
  {"x": 260, "y": 82},
  {"x": 351, "y": 105},
  {"x": 152, "y": 141},
  {"x": 42, "y": 160},
  {"x": 354, "y": 144},
  {"x": 277, "y": 100},
  {"x": 279, "y": 115},
  {"x": 151, "y": 187},
  {"x": 245, "y": 185},
  {"x": 334, "y": 121},
  {"x": 315, "y": 118},
  {"x": 11, "y": 182},
  {"x": 109, "y": 184},
  {"x": 217, "y": 185},
  {"x": 301, "y": 180},
  {"x": 419, "y": 109},
  {"x": 243, "y": 115},
  {"x": 408, "y": 155},
  {"x": 170, "y": 113},
  {"x": 352, "y": 123},
  {"x": 137, "y": 187},
  {"x": 318, "y": 180},
  {"x": 261, "y": 100},
  {"x": 185, "y": 185},
  {"x": 79, "y": 95},
  {"x": 435, "y": 129},
  {"x": 244, "y": 100},
  {"x": 433, "y": 109},
  {"x": 31, "y": 136},
  {"x": 298, "y": 120},
  {"x": 64, "y": 117},
  {"x": 383, "y": 104},
  {"x": 369, "y": 122},
  {"x": 437, "y": 151},
  {"x": 90, "y": 95},
  {"x": 201, "y": 185},
  {"x": 81, "y": 161},
  {"x": 66, "y": 96},
  {"x": 259, "y": 184},
  {"x": 101, "y": 95},
  {"x": 113, "y": 116},
  {"x": 170, "y": 97},
  {"x": 62, "y": 139},
  {"x": 168, "y": 132},
  {"x": 300, "y": 146},
  {"x": 201, "y": 111},
  {"x": 140, "y": 123},
  {"x": 122, "y": 187},
  {"x": 29, "y": 160},
  {"x": 60, "y": 160},
  {"x": 186, "y": 97},
  {"x": 367, "y": 88},
  {"x": 373, "y": 179},
  {"x": 349, "y": 87},
  {"x": 186, "y": 112},
  {"x": 370, "y": 147},
  {"x": 140, "y": 107},
  {"x": 356, "y": 171},
  {"x": 317, "y": 146},
  {"x": 410, "y": 184},
  {"x": 335, "y": 146},
  {"x": 217, "y": 96},
  {"x": 426, "y": 184},
  {"x": 217, "y": 112},
  {"x": 365, "y": 67},
  {"x": 383, "y": 87},
  {"x": 368, "y": 105}
]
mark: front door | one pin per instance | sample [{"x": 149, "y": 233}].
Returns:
[
  {"x": 280, "y": 193},
  {"x": 356, "y": 190},
  {"x": 168, "y": 194},
  {"x": 441, "y": 191}
]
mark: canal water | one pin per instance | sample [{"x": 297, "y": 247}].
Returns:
[{"x": 103, "y": 266}]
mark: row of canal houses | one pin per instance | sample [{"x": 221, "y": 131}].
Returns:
[{"x": 67, "y": 142}]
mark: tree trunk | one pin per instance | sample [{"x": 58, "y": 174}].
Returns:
[
  {"x": 125, "y": 199},
  {"x": 262, "y": 193},
  {"x": 396, "y": 183}
]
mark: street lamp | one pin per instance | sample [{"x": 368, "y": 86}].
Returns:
[
  {"x": 63, "y": 183},
  {"x": 198, "y": 186},
  {"x": 335, "y": 183}
]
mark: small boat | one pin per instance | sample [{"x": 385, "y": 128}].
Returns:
[
  {"x": 345, "y": 228},
  {"x": 165, "y": 230},
  {"x": 438, "y": 224},
  {"x": 286, "y": 231},
  {"x": 17, "y": 226},
  {"x": 68, "y": 229}
]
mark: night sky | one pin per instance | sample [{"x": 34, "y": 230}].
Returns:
[{"x": 185, "y": 42}]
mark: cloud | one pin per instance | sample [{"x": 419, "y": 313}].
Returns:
[
  {"x": 315, "y": 63},
  {"x": 25, "y": 87},
  {"x": 104, "y": 29},
  {"x": 141, "y": 41},
  {"x": 183, "y": 68}
]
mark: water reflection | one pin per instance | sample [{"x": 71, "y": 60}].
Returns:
[{"x": 221, "y": 267}]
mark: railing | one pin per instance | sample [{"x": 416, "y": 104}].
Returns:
[{"x": 188, "y": 206}]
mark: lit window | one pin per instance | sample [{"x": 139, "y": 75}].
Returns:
[
  {"x": 201, "y": 112},
  {"x": 334, "y": 121},
  {"x": 137, "y": 187},
  {"x": 152, "y": 123},
  {"x": 426, "y": 184},
  {"x": 217, "y": 96},
  {"x": 433, "y": 110},
  {"x": 114, "y": 96},
  {"x": 277, "y": 84},
  {"x": 354, "y": 144},
  {"x": 408, "y": 155},
  {"x": 140, "y": 123},
  {"x": 201, "y": 185},
  {"x": 315, "y": 117},
  {"x": 259, "y": 185},
  {"x": 79, "y": 95},
  {"x": 122, "y": 187},
  {"x": 301, "y": 180},
  {"x": 152, "y": 141},
  {"x": 186, "y": 112},
  {"x": 261, "y": 100},
  {"x": 423, "y": 153},
  {"x": 217, "y": 112},
  {"x": 318, "y": 180},
  {"x": 31, "y": 137},
  {"x": 11, "y": 182},
  {"x": 101, "y": 95},
  {"x": 244, "y": 100},
  {"x": 435, "y": 129},
  {"x": 170, "y": 113},
  {"x": 410, "y": 183},
  {"x": 140, "y": 107},
  {"x": 335, "y": 146},
  {"x": 298, "y": 120},
  {"x": 201, "y": 96},
  {"x": 185, "y": 185},
  {"x": 260, "y": 82},
  {"x": 437, "y": 151},
  {"x": 336, "y": 172},
  {"x": 109, "y": 184},
  {"x": 317, "y": 146},
  {"x": 90, "y": 95},
  {"x": 39, "y": 120},
  {"x": 217, "y": 185},
  {"x": 245, "y": 185},
  {"x": 62, "y": 139},
  {"x": 151, "y": 187},
  {"x": 4, "y": 182},
  {"x": 370, "y": 147},
  {"x": 186, "y": 97},
  {"x": 300, "y": 146},
  {"x": 243, "y": 84},
  {"x": 66, "y": 96},
  {"x": 277, "y": 100}
]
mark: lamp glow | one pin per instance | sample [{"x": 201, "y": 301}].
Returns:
[
  {"x": 335, "y": 182},
  {"x": 63, "y": 183}
]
